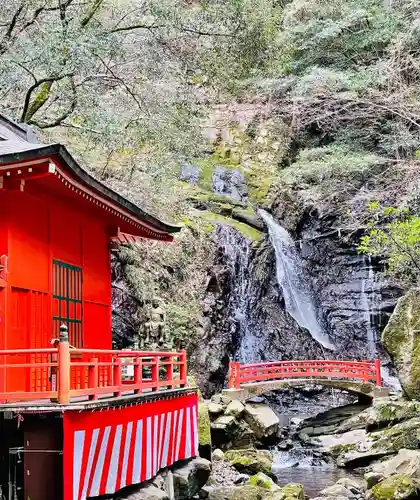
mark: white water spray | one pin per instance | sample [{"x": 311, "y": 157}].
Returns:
[
  {"x": 294, "y": 282},
  {"x": 368, "y": 302}
]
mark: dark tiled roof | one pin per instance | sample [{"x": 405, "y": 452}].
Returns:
[{"x": 15, "y": 148}]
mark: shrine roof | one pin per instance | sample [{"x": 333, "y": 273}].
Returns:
[{"x": 15, "y": 147}]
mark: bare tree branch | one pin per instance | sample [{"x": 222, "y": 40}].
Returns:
[
  {"x": 32, "y": 88},
  {"x": 91, "y": 12},
  {"x": 62, "y": 117}
]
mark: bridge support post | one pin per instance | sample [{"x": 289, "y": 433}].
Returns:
[{"x": 378, "y": 373}]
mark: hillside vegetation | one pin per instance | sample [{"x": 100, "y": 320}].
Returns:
[{"x": 315, "y": 102}]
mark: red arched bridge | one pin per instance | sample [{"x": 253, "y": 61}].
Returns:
[{"x": 360, "y": 377}]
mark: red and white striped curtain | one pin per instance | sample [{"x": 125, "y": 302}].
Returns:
[{"x": 107, "y": 450}]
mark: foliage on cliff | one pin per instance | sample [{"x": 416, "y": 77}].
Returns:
[{"x": 314, "y": 102}]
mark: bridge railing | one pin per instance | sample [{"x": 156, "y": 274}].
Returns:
[
  {"x": 364, "y": 371},
  {"x": 63, "y": 374}
]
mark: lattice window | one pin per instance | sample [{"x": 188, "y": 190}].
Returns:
[{"x": 67, "y": 301}]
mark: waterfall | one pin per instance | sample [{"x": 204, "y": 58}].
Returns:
[
  {"x": 369, "y": 298},
  {"x": 294, "y": 282},
  {"x": 237, "y": 257}
]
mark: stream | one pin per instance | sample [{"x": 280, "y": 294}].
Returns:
[{"x": 303, "y": 464}]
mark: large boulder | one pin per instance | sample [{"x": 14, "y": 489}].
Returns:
[
  {"x": 291, "y": 491},
  {"x": 190, "y": 478},
  {"x": 244, "y": 437},
  {"x": 359, "y": 448},
  {"x": 397, "y": 487},
  {"x": 263, "y": 481},
  {"x": 383, "y": 413},
  {"x": 337, "y": 490},
  {"x": 401, "y": 338},
  {"x": 262, "y": 420},
  {"x": 250, "y": 461},
  {"x": 407, "y": 463},
  {"x": 246, "y": 492},
  {"x": 251, "y": 492}
]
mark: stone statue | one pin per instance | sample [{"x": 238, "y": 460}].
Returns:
[{"x": 155, "y": 328}]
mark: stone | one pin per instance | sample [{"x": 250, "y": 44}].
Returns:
[
  {"x": 401, "y": 340},
  {"x": 397, "y": 487},
  {"x": 216, "y": 398},
  {"x": 406, "y": 462},
  {"x": 190, "y": 478},
  {"x": 262, "y": 420},
  {"x": 223, "y": 430},
  {"x": 204, "y": 432},
  {"x": 218, "y": 454},
  {"x": 245, "y": 492},
  {"x": 204, "y": 492},
  {"x": 225, "y": 399},
  {"x": 352, "y": 484},
  {"x": 241, "y": 479},
  {"x": 235, "y": 408},
  {"x": 215, "y": 409},
  {"x": 359, "y": 448},
  {"x": 373, "y": 478},
  {"x": 263, "y": 481},
  {"x": 223, "y": 422},
  {"x": 250, "y": 461},
  {"x": 149, "y": 492},
  {"x": 383, "y": 413},
  {"x": 291, "y": 491},
  {"x": 244, "y": 437},
  {"x": 337, "y": 490}
]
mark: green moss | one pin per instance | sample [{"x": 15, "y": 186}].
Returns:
[
  {"x": 250, "y": 461},
  {"x": 400, "y": 338},
  {"x": 247, "y": 231},
  {"x": 259, "y": 180},
  {"x": 247, "y": 492},
  {"x": 218, "y": 198},
  {"x": 204, "y": 428},
  {"x": 293, "y": 491},
  {"x": 394, "y": 488},
  {"x": 338, "y": 449},
  {"x": 261, "y": 480}
]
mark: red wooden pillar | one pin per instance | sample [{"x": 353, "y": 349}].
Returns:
[
  {"x": 378, "y": 373},
  {"x": 63, "y": 385}
]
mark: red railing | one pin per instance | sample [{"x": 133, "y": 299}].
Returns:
[
  {"x": 365, "y": 371},
  {"x": 63, "y": 374}
]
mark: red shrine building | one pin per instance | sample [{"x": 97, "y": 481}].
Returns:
[{"x": 72, "y": 424}]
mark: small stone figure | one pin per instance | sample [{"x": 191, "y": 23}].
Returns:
[{"x": 155, "y": 328}]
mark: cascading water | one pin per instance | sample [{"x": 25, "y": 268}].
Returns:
[
  {"x": 237, "y": 257},
  {"x": 368, "y": 302},
  {"x": 295, "y": 285}
]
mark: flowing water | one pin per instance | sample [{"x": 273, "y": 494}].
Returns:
[
  {"x": 314, "y": 479},
  {"x": 369, "y": 297},
  {"x": 237, "y": 257},
  {"x": 294, "y": 282}
]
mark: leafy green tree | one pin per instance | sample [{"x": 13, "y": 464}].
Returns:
[{"x": 394, "y": 234}]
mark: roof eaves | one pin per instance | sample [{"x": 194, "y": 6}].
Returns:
[{"x": 71, "y": 164}]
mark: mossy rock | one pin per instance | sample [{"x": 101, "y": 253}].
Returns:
[
  {"x": 204, "y": 431},
  {"x": 397, "y": 487},
  {"x": 246, "y": 492},
  {"x": 403, "y": 435},
  {"x": 263, "y": 481},
  {"x": 339, "y": 449},
  {"x": 401, "y": 338},
  {"x": 292, "y": 491},
  {"x": 250, "y": 461},
  {"x": 247, "y": 231}
]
